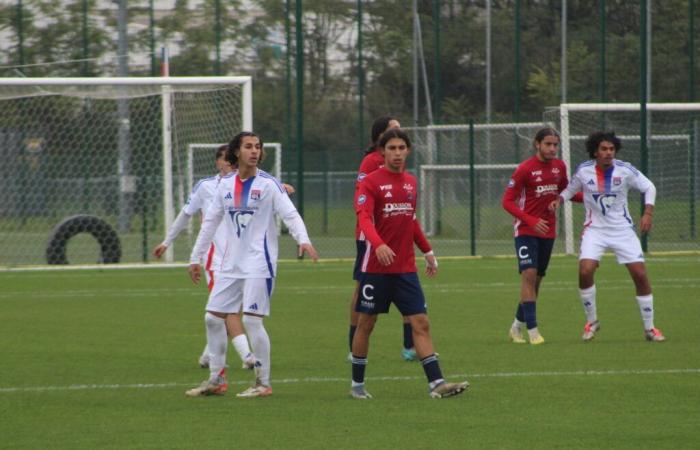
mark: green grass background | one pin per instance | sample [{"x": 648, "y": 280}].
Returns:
[{"x": 107, "y": 333}]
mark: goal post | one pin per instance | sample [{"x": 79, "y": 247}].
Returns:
[
  {"x": 672, "y": 142},
  {"x": 113, "y": 148}
]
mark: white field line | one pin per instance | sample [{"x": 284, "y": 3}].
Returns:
[
  {"x": 572, "y": 373},
  {"x": 667, "y": 283}
]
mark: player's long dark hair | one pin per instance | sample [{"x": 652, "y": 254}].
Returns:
[
  {"x": 235, "y": 144},
  {"x": 394, "y": 133},
  {"x": 594, "y": 139},
  {"x": 378, "y": 127},
  {"x": 221, "y": 151},
  {"x": 543, "y": 133}
]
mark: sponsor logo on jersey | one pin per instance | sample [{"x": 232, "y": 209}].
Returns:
[
  {"x": 361, "y": 176},
  {"x": 545, "y": 188},
  {"x": 385, "y": 187},
  {"x": 255, "y": 194},
  {"x": 241, "y": 218},
  {"x": 605, "y": 201},
  {"x": 388, "y": 195},
  {"x": 536, "y": 173},
  {"x": 397, "y": 208},
  {"x": 361, "y": 199},
  {"x": 617, "y": 181},
  {"x": 228, "y": 196}
]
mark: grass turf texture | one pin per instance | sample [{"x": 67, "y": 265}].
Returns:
[{"x": 101, "y": 359}]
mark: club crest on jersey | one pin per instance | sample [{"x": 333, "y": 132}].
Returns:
[
  {"x": 255, "y": 194},
  {"x": 555, "y": 170},
  {"x": 361, "y": 199},
  {"x": 408, "y": 186},
  {"x": 617, "y": 181}
]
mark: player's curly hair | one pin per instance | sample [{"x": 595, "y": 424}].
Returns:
[
  {"x": 378, "y": 127},
  {"x": 594, "y": 139},
  {"x": 543, "y": 133},
  {"x": 235, "y": 144},
  {"x": 397, "y": 133}
]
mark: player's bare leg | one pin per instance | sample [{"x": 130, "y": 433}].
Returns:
[
  {"x": 645, "y": 300},
  {"x": 439, "y": 388},
  {"x": 587, "y": 293}
]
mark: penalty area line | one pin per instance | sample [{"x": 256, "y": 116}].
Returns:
[{"x": 571, "y": 373}]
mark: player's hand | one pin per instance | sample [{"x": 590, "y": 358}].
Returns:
[
  {"x": 385, "y": 255},
  {"x": 159, "y": 250},
  {"x": 555, "y": 204},
  {"x": 289, "y": 188},
  {"x": 645, "y": 223},
  {"x": 542, "y": 226},
  {"x": 431, "y": 265},
  {"x": 308, "y": 248},
  {"x": 195, "y": 272}
]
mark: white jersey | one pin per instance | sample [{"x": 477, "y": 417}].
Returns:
[
  {"x": 246, "y": 210},
  {"x": 605, "y": 192},
  {"x": 200, "y": 200}
]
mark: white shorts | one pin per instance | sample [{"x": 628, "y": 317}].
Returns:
[
  {"x": 232, "y": 295},
  {"x": 623, "y": 242}
]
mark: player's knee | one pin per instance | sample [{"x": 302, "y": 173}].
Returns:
[
  {"x": 421, "y": 325},
  {"x": 213, "y": 320},
  {"x": 252, "y": 322}
]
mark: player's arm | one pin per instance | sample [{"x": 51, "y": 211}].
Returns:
[
  {"x": 572, "y": 191},
  {"x": 285, "y": 209},
  {"x": 213, "y": 218},
  {"x": 564, "y": 183},
  {"x": 422, "y": 243},
  {"x": 364, "y": 207},
  {"x": 194, "y": 204},
  {"x": 647, "y": 188},
  {"x": 509, "y": 203}
]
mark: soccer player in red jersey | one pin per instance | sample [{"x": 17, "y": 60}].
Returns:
[
  {"x": 386, "y": 211},
  {"x": 534, "y": 185},
  {"x": 372, "y": 161}
]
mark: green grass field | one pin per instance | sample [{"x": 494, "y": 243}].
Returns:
[{"x": 101, "y": 359}]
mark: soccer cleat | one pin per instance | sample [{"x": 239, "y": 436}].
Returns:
[
  {"x": 589, "y": 330},
  {"x": 409, "y": 354},
  {"x": 445, "y": 389},
  {"x": 516, "y": 335},
  {"x": 537, "y": 339},
  {"x": 209, "y": 387},
  {"x": 257, "y": 390},
  {"x": 249, "y": 362},
  {"x": 654, "y": 335},
  {"x": 360, "y": 392},
  {"x": 204, "y": 362}
]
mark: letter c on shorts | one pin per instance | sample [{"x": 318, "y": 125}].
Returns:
[
  {"x": 364, "y": 291},
  {"x": 520, "y": 252}
]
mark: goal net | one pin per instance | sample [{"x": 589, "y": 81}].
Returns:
[
  {"x": 462, "y": 173},
  {"x": 671, "y": 162},
  {"x": 94, "y": 169}
]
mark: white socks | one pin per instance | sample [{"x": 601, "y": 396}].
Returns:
[
  {"x": 261, "y": 346},
  {"x": 588, "y": 301},
  {"x": 646, "y": 308},
  {"x": 518, "y": 324},
  {"x": 240, "y": 343},
  {"x": 217, "y": 341}
]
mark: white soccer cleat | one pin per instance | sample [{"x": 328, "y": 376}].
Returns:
[
  {"x": 589, "y": 330},
  {"x": 654, "y": 335},
  {"x": 258, "y": 390},
  {"x": 360, "y": 392},
  {"x": 209, "y": 387},
  {"x": 445, "y": 389},
  {"x": 516, "y": 335}
]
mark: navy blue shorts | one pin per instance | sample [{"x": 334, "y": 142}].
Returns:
[
  {"x": 357, "y": 270},
  {"x": 379, "y": 290},
  {"x": 533, "y": 252}
]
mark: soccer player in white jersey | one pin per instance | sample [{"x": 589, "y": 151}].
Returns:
[
  {"x": 199, "y": 201},
  {"x": 245, "y": 203},
  {"x": 605, "y": 182}
]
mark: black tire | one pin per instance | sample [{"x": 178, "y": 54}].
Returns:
[{"x": 110, "y": 247}]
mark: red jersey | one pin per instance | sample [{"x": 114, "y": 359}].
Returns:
[
  {"x": 370, "y": 163},
  {"x": 532, "y": 187},
  {"x": 386, "y": 205}
]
